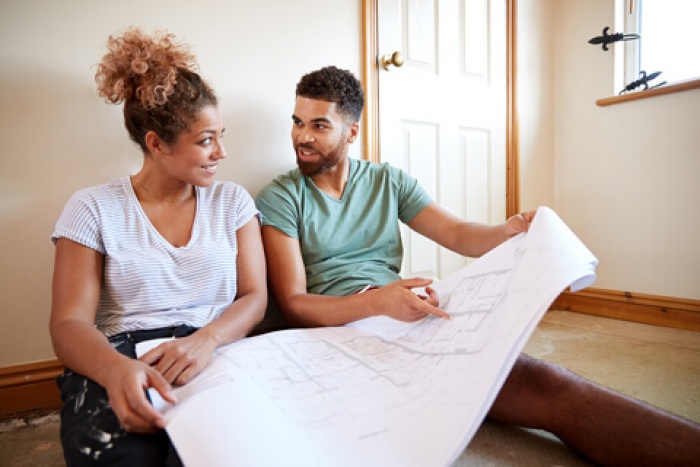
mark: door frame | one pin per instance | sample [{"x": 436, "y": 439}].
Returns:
[{"x": 370, "y": 76}]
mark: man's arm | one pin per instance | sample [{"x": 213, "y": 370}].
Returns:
[
  {"x": 287, "y": 278},
  {"x": 470, "y": 239}
]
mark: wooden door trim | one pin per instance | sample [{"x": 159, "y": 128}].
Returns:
[
  {"x": 512, "y": 123},
  {"x": 370, "y": 75},
  {"x": 370, "y": 118}
]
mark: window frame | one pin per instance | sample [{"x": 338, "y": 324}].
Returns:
[{"x": 627, "y": 59}]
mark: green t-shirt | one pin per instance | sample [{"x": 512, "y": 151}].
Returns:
[{"x": 349, "y": 243}]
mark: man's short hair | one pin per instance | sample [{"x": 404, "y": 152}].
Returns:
[{"x": 335, "y": 85}]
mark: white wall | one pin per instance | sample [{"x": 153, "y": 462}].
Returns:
[
  {"x": 56, "y": 135},
  {"x": 625, "y": 176}
]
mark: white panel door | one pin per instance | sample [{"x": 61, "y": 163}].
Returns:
[{"x": 442, "y": 115}]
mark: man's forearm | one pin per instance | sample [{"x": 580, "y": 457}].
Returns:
[{"x": 311, "y": 310}]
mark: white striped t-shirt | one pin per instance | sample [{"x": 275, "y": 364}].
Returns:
[{"x": 147, "y": 282}]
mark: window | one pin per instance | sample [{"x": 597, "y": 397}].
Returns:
[{"x": 669, "y": 43}]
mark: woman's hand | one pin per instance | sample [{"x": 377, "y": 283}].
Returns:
[
  {"x": 180, "y": 360},
  {"x": 126, "y": 383}
]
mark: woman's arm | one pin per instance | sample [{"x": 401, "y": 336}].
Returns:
[
  {"x": 77, "y": 282},
  {"x": 182, "y": 359}
]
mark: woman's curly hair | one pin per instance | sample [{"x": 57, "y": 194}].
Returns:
[
  {"x": 156, "y": 79},
  {"x": 333, "y": 84}
]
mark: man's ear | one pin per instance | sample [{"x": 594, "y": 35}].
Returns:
[
  {"x": 155, "y": 144},
  {"x": 353, "y": 131}
]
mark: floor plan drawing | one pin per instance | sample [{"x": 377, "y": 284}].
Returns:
[{"x": 379, "y": 391}]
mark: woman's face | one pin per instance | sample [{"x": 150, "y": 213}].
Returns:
[{"x": 195, "y": 156}]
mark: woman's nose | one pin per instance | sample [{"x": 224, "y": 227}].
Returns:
[{"x": 220, "y": 151}]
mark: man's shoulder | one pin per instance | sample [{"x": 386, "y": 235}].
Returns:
[
  {"x": 284, "y": 190},
  {"x": 288, "y": 181},
  {"x": 382, "y": 173},
  {"x": 376, "y": 169}
]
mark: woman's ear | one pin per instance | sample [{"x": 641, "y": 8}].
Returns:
[{"x": 155, "y": 144}]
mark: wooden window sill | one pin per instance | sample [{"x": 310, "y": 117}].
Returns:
[{"x": 667, "y": 89}]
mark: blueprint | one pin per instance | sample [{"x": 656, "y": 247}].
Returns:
[{"x": 379, "y": 391}]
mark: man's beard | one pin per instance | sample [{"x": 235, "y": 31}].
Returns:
[{"x": 325, "y": 162}]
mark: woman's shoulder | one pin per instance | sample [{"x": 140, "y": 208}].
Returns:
[
  {"x": 224, "y": 192},
  {"x": 111, "y": 191},
  {"x": 223, "y": 188}
]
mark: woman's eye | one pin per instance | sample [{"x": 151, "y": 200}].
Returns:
[{"x": 205, "y": 141}]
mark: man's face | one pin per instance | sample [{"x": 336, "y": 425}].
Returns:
[{"x": 320, "y": 135}]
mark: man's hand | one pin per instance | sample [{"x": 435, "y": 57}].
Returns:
[
  {"x": 518, "y": 223},
  {"x": 401, "y": 303}
]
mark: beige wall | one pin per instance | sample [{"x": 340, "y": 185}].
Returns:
[
  {"x": 535, "y": 74},
  {"x": 624, "y": 177},
  {"x": 56, "y": 135}
]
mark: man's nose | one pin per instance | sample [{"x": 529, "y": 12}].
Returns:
[{"x": 306, "y": 136}]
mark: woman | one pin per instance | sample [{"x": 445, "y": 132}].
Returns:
[{"x": 167, "y": 252}]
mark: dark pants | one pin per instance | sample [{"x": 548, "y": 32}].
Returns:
[{"x": 90, "y": 431}]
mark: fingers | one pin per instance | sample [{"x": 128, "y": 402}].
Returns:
[
  {"x": 181, "y": 359},
  {"x": 131, "y": 420},
  {"x": 171, "y": 361},
  {"x": 525, "y": 218},
  {"x": 521, "y": 223},
  {"x": 187, "y": 374},
  {"x": 529, "y": 216},
  {"x": 130, "y": 404},
  {"x": 518, "y": 223},
  {"x": 432, "y": 298},
  {"x": 142, "y": 413},
  {"x": 152, "y": 356},
  {"x": 401, "y": 303},
  {"x": 160, "y": 384},
  {"x": 435, "y": 311},
  {"x": 173, "y": 370},
  {"x": 433, "y": 302},
  {"x": 414, "y": 282}
]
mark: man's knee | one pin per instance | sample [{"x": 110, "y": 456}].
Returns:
[
  {"x": 533, "y": 392},
  {"x": 541, "y": 378}
]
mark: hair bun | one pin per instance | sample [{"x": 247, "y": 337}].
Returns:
[{"x": 142, "y": 67}]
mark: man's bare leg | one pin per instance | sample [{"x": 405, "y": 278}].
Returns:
[{"x": 605, "y": 426}]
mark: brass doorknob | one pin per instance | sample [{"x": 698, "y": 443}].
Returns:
[{"x": 395, "y": 59}]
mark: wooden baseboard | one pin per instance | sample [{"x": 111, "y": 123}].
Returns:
[
  {"x": 29, "y": 389},
  {"x": 669, "y": 312}
]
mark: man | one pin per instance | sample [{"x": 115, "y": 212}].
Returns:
[{"x": 333, "y": 251}]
